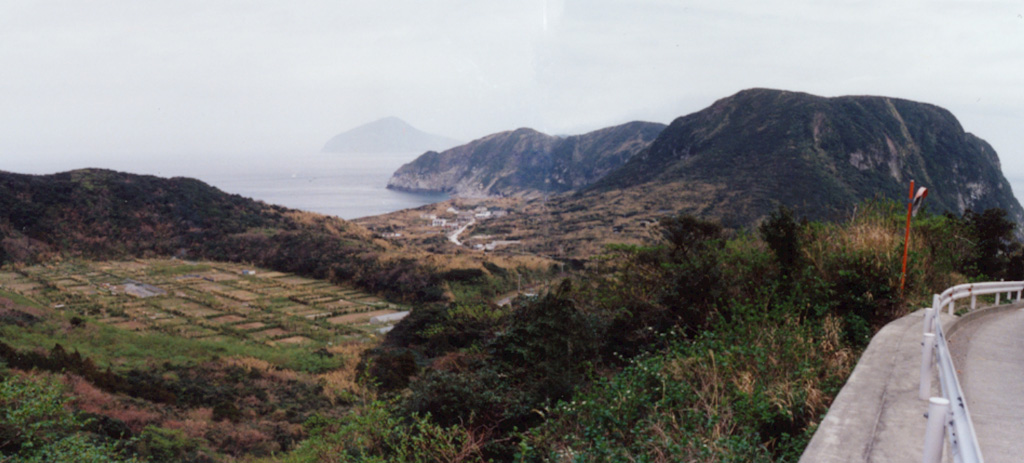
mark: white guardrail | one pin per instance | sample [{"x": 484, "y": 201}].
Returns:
[{"x": 949, "y": 412}]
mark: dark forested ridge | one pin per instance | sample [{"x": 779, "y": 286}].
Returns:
[
  {"x": 693, "y": 341},
  {"x": 525, "y": 161},
  {"x": 103, "y": 214},
  {"x": 820, "y": 155}
]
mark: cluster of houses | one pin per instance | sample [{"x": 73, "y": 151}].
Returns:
[{"x": 462, "y": 217}]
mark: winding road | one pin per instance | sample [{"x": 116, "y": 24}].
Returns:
[
  {"x": 454, "y": 236},
  {"x": 989, "y": 354},
  {"x": 878, "y": 416}
]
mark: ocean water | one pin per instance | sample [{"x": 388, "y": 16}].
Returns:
[
  {"x": 349, "y": 186},
  {"x": 343, "y": 185}
]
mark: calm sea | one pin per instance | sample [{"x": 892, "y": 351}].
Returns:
[{"x": 344, "y": 185}]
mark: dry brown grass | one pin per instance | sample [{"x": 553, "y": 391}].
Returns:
[
  {"x": 713, "y": 374},
  {"x": 344, "y": 382},
  {"x": 262, "y": 366},
  {"x": 89, "y": 398},
  {"x": 868, "y": 233}
]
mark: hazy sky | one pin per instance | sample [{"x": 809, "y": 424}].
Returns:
[{"x": 82, "y": 81}]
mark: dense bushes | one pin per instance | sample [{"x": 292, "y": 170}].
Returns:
[
  {"x": 106, "y": 215},
  {"x": 713, "y": 345},
  {"x": 37, "y": 426},
  {"x": 992, "y": 235}
]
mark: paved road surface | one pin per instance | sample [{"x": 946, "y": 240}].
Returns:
[
  {"x": 877, "y": 417},
  {"x": 989, "y": 355},
  {"x": 454, "y": 237}
]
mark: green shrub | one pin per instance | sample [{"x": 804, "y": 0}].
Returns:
[
  {"x": 226, "y": 410},
  {"x": 37, "y": 426},
  {"x": 992, "y": 234},
  {"x": 170, "y": 445},
  {"x": 376, "y": 433},
  {"x": 782, "y": 234}
]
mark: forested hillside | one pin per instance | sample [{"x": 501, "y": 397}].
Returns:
[
  {"x": 707, "y": 345},
  {"x": 762, "y": 148},
  {"x": 101, "y": 214},
  {"x": 525, "y": 162}
]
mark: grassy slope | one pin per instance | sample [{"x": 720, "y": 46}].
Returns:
[
  {"x": 104, "y": 214},
  {"x": 707, "y": 346},
  {"x": 165, "y": 388}
]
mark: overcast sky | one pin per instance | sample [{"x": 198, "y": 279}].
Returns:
[{"x": 87, "y": 80}]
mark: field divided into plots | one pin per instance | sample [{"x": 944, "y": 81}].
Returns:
[{"x": 201, "y": 300}]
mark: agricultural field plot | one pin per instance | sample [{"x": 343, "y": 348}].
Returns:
[
  {"x": 227, "y": 319},
  {"x": 9, "y": 277},
  {"x": 200, "y": 300}
]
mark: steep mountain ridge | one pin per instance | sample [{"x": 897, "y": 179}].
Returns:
[
  {"x": 387, "y": 135},
  {"x": 525, "y": 162},
  {"x": 820, "y": 156}
]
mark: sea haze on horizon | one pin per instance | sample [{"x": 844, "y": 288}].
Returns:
[{"x": 349, "y": 186}]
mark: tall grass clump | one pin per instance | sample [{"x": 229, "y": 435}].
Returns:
[{"x": 707, "y": 345}]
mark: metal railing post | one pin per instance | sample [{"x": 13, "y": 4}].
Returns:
[
  {"x": 927, "y": 346},
  {"x": 938, "y": 409},
  {"x": 974, "y": 301},
  {"x": 929, "y": 319}
]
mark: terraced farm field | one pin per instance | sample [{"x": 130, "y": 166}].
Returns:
[{"x": 201, "y": 300}]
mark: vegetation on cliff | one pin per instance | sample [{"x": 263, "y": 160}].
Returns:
[
  {"x": 708, "y": 345},
  {"x": 820, "y": 156},
  {"x": 525, "y": 162},
  {"x": 695, "y": 339}
]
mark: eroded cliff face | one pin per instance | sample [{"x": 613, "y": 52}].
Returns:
[
  {"x": 821, "y": 156},
  {"x": 525, "y": 162}
]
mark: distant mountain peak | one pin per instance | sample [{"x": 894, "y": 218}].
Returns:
[{"x": 387, "y": 135}]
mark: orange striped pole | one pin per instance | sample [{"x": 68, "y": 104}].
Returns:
[{"x": 906, "y": 239}]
